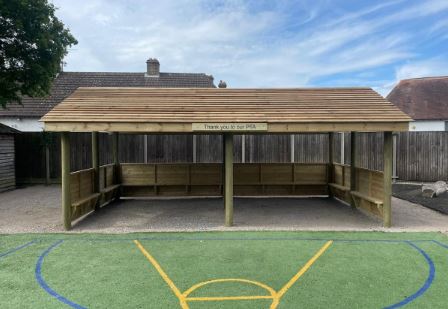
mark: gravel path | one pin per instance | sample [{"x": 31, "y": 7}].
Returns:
[{"x": 37, "y": 209}]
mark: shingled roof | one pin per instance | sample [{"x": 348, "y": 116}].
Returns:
[
  {"x": 422, "y": 98},
  {"x": 67, "y": 82}
]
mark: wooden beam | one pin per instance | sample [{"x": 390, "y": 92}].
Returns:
[
  {"x": 330, "y": 162},
  {"x": 388, "y": 158},
  {"x": 228, "y": 184},
  {"x": 65, "y": 177},
  {"x": 96, "y": 165},
  {"x": 273, "y": 127},
  {"x": 353, "y": 162}
]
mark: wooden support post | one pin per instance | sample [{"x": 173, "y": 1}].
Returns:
[
  {"x": 330, "y": 162},
  {"x": 352, "y": 166},
  {"x": 115, "y": 158},
  {"x": 228, "y": 183},
  {"x": 96, "y": 165},
  {"x": 387, "y": 159},
  {"x": 65, "y": 176},
  {"x": 47, "y": 164}
]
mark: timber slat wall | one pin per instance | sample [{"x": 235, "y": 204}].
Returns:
[
  {"x": 368, "y": 182},
  {"x": 82, "y": 195},
  {"x": 206, "y": 179},
  {"x": 7, "y": 172},
  {"x": 422, "y": 156}
]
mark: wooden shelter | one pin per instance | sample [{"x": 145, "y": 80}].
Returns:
[{"x": 226, "y": 112}]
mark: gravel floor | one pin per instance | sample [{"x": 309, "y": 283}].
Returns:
[{"x": 37, "y": 209}]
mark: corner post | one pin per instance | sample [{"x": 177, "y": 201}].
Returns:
[
  {"x": 228, "y": 182},
  {"x": 352, "y": 166},
  {"x": 96, "y": 165},
  {"x": 65, "y": 177},
  {"x": 330, "y": 160},
  {"x": 387, "y": 159}
]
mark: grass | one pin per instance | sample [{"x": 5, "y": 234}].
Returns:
[{"x": 109, "y": 271}]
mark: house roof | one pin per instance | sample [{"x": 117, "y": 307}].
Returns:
[
  {"x": 67, "y": 82},
  {"x": 178, "y": 109},
  {"x": 422, "y": 98}
]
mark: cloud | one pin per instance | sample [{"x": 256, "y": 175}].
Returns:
[{"x": 254, "y": 43}]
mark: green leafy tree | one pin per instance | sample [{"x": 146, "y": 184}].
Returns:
[{"x": 33, "y": 42}]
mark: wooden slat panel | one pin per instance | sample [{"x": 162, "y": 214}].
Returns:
[
  {"x": 206, "y": 174},
  {"x": 172, "y": 174},
  {"x": 246, "y": 174},
  {"x": 310, "y": 173},
  {"x": 138, "y": 174},
  {"x": 276, "y": 173},
  {"x": 338, "y": 175},
  {"x": 7, "y": 167}
]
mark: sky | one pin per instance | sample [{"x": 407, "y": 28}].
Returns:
[{"x": 281, "y": 43}]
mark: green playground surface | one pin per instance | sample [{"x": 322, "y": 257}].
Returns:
[{"x": 224, "y": 270}]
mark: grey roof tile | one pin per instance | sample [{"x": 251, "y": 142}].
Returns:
[{"x": 67, "y": 82}]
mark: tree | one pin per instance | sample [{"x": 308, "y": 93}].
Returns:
[{"x": 33, "y": 42}]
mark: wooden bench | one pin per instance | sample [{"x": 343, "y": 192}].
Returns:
[
  {"x": 110, "y": 188},
  {"x": 85, "y": 199},
  {"x": 377, "y": 202},
  {"x": 339, "y": 187}
]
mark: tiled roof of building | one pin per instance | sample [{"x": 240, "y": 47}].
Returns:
[
  {"x": 422, "y": 98},
  {"x": 67, "y": 82}
]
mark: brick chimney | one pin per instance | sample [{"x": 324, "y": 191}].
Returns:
[
  {"x": 222, "y": 84},
  {"x": 152, "y": 67}
]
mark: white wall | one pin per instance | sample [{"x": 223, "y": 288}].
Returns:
[
  {"x": 431, "y": 125},
  {"x": 23, "y": 124}
]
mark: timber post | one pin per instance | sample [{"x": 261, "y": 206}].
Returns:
[
  {"x": 330, "y": 160},
  {"x": 96, "y": 165},
  {"x": 228, "y": 181},
  {"x": 65, "y": 177},
  {"x": 352, "y": 166},
  {"x": 115, "y": 159},
  {"x": 387, "y": 159}
]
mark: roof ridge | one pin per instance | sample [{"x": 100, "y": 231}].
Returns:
[
  {"x": 140, "y": 73},
  {"x": 425, "y": 77}
]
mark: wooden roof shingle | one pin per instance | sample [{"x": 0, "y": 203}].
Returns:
[{"x": 176, "y": 109}]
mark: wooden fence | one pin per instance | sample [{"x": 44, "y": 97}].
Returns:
[{"x": 421, "y": 156}]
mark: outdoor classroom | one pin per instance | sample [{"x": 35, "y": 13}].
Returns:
[{"x": 224, "y": 270}]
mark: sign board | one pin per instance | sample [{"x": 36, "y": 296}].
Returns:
[{"x": 232, "y": 126}]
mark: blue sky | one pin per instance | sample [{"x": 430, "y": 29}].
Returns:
[{"x": 264, "y": 43}]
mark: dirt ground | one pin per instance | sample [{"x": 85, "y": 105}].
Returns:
[
  {"x": 413, "y": 193},
  {"x": 37, "y": 209}
]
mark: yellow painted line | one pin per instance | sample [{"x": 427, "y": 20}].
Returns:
[
  {"x": 296, "y": 277},
  {"x": 162, "y": 273},
  {"x": 201, "y": 284},
  {"x": 218, "y": 298}
]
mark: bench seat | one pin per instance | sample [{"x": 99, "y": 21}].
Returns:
[
  {"x": 339, "y": 187},
  {"x": 85, "y": 199},
  {"x": 373, "y": 200},
  {"x": 110, "y": 188}
]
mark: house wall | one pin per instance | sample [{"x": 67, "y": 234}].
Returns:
[
  {"x": 7, "y": 172},
  {"x": 430, "y": 126}
]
